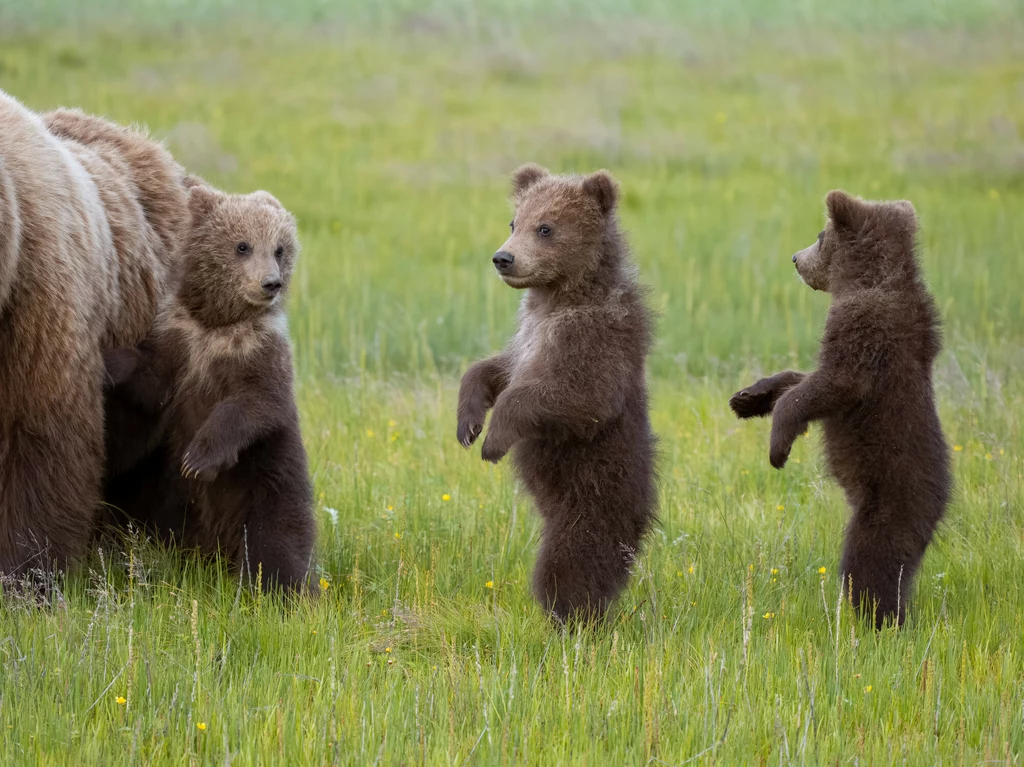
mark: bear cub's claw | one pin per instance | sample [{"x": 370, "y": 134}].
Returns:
[
  {"x": 468, "y": 432},
  {"x": 201, "y": 463}
]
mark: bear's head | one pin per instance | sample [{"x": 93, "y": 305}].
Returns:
[
  {"x": 559, "y": 225},
  {"x": 239, "y": 255},
  {"x": 862, "y": 245}
]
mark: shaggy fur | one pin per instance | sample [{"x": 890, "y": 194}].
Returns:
[
  {"x": 873, "y": 392},
  {"x": 213, "y": 389},
  {"x": 569, "y": 394},
  {"x": 91, "y": 215}
]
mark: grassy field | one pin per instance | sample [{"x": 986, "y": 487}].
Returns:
[{"x": 390, "y": 130}]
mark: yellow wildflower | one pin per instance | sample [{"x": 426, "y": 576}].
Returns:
[
  {"x": 446, "y": 497},
  {"x": 822, "y": 570},
  {"x": 489, "y": 585},
  {"x": 324, "y": 583},
  {"x": 780, "y": 507},
  {"x": 202, "y": 726},
  {"x": 867, "y": 689},
  {"x": 369, "y": 433},
  {"x": 121, "y": 701},
  {"x": 958, "y": 448},
  {"x": 769, "y": 616}
]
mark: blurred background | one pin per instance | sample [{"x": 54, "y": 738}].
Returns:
[{"x": 390, "y": 129}]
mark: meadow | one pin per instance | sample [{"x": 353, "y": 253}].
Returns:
[{"x": 390, "y": 129}]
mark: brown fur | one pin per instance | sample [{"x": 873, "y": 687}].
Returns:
[
  {"x": 873, "y": 392},
  {"x": 569, "y": 394},
  {"x": 222, "y": 462},
  {"x": 91, "y": 215}
]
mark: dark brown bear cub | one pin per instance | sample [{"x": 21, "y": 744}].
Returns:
[
  {"x": 873, "y": 391},
  {"x": 569, "y": 394},
  {"x": 217, "y": 371}
]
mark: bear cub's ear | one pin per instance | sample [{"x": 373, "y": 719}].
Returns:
[
  {"x": 267, "y": 199},
  {"x": 906, "y": 207},
  {"x": 603, "y": 188},
  {"x": 203, "y": 200},
  {"x": 526, "y": 176},
  {"x": 846, "y": 211}
]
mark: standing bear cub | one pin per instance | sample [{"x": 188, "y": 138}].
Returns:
[
  {"x": 216, "y": 375},
  {"x": 873, "y": 391},
  {"x": 569, "y": 394}
]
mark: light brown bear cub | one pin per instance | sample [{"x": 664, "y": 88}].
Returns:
[
  {"x": 569, "y": 394},
  {"x": 217, "y": 374}
]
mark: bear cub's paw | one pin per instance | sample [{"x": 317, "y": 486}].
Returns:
[
  {"x": 118, "y": 365},
  {"x": 495, "y": 446},
  {"x": 755, "y": 401},
  {"x": 204, "y": 461},
  {"x": 469, "y": 428}
]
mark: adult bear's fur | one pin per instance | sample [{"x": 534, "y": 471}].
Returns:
[
  {"x": 216, "y": 378},
  {"x": 91, "y": 215},
  {"x": 569, "y": 394},
  {"x": 873, "y": 392}
]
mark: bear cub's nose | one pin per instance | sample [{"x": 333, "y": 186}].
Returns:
[
  {"x": 794, "y": 258},
  {"x": 503, "y": 260},
  {"x": 272, "y": 285}
]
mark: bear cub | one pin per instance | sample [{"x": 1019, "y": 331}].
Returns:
[
  {"x": 873, "y": 392},
  {"x": 569, "y": 394},
  {"x": 226, "y": 469}
]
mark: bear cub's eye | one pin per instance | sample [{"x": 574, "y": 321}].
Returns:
[
  {"x": 279, "y": 252},
  {"x": 242, "y": 247},
  {"x": 821, "y": 236},
  {"x": 512, "y": 225},
  {"x": 544, "y": 230}
]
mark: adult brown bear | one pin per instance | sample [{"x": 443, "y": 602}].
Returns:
[{"x": 91, "y": 216}]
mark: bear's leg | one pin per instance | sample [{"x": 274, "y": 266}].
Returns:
[
  {"x": 881, "y": 556},
  {"x": 583, "y": 565},
  {"x": 280, "y": 548},
  {"x": 277, "y": 513},
  {"x": 50, "y": 479}
]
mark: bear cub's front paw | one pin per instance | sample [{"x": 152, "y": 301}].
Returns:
[
  {"x": 470, "y": 428},
  {"x": 119, "y": 365},
  {"x": 204, "y": 462},
  {"x": 754, "y": 401},
  {"x": 494, "y": 447}
]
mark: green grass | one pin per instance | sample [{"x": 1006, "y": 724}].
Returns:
[{"x": 391, "y": 135}]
